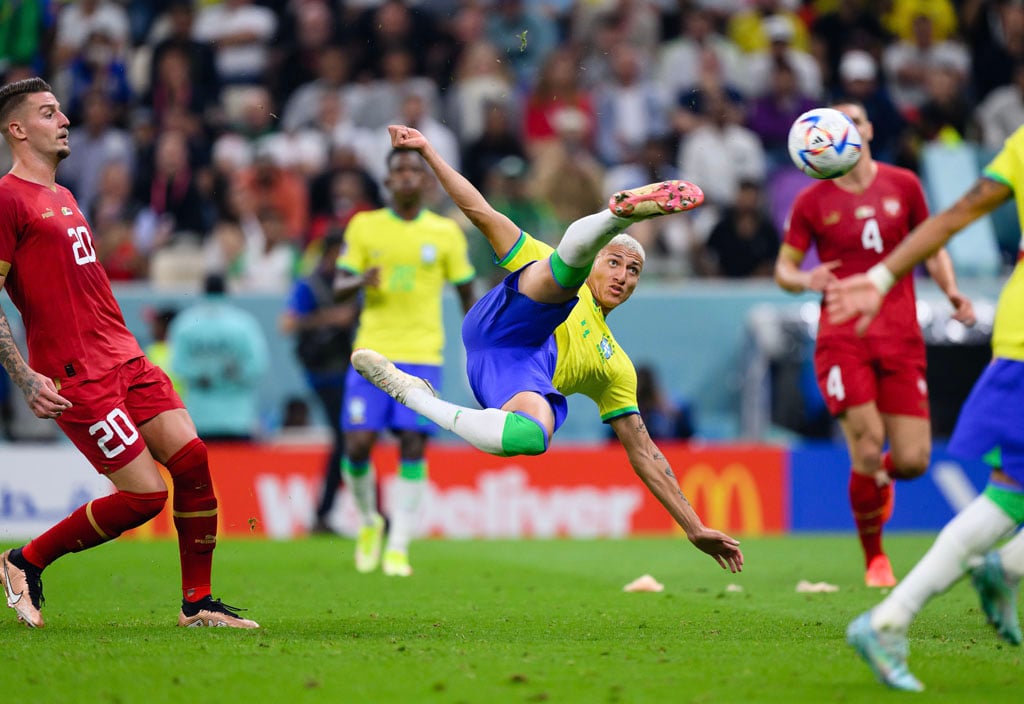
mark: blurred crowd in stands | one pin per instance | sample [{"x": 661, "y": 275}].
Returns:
[{"x": 232, "y": 136}]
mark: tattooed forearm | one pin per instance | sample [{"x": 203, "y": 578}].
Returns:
[{"x": 11, "y": 359}]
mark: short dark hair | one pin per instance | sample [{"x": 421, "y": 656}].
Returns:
[
  {"x": 394, "y": 154},
  {"x": 13, "y": 95}
]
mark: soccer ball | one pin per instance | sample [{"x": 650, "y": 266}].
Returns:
[{"x": 824, "y": 143}]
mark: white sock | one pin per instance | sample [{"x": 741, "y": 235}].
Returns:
[
  {"x": 585, "y": 237},
  {"x": 971, "y": 532},
  {"x": 364, "y": 491},
  {"x": 406, "y": 497},
  {"x": 1012, "y": 556},
  {"x": 482, "y": 428}
]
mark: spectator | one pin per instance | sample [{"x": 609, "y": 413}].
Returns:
[
  {"x": 112, "y": 213},
  {"x": 945, "y": 114},
  {"x": 744, "y": 243},
  {"x": 995, "y": 31},
  {"x": 175, "y": 209},
  {"x": 669, "y": 237},
  {"x": 323, "y": 343},
  {"x": 381, "y": 100},
  {"x": 1002, "y": 111},
  {"x": 159, "y": 349},
  {"x": 279, "y": 189},
  {"x": 173, "y": 91},
  {"x": 681, "y": 60},
  {"x": 331, "y": 80},
  {"x": 219, "y": 352},
  {"x": 99, "y": 67},
  {"x": 480, "y": 80},
  {"x": 773, "y": 113},
  {"x": 568, "y": 175},
  {"x": 499, "y": 139},
  {"x": 309, "y": 31},
  {"x": 203, "y": 82},
  {"x": 558, "y": 88},
  {"x": 858, "y": 74},
  {"x": 523, "y": 36},
  {"x": 664, "y": 417},
  {"x": 630, "y": 109},
  {"x": 349, "y": 194},
  {"x": 719, "y": 154},
  {"x": 748, "y": 28},
  {"x": 376, "y": 31},
  {"x": 780, "y": 32},
  {"x": 241, "y": 33},
  {"x": 77, "y": 21},
  {"x": 97, "y": 143},
  {"x": 909, "y": 62},
  {"x": 851, "y": 25}
]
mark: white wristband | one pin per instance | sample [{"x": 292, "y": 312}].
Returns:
[{"x": 881, "y": 277}]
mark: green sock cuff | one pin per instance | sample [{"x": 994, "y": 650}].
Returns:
[
  {"x": 568, "y": 276},
  {"x": 415, "y": 470},
  {"x": 1011, "y": 502},
  {"x": 522, "y": 435},
  {"x": 356, "y": 469}
]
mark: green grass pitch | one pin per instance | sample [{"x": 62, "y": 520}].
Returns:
[{"x": 491, "y": 622}]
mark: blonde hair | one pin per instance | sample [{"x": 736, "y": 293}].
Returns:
[{"x": 630, "y": 243}]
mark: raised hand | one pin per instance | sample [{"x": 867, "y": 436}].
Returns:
[{"x": 403, "y": 137}]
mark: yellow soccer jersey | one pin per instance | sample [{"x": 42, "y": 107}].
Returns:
[
  {"x": 401, "y": 318},
  {"x": 590, "y": 361},
  {"x": 1008, "y": 330}
]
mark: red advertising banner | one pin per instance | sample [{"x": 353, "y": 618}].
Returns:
[{"x": 569, "y": 491}]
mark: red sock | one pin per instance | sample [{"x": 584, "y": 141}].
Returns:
[
  {"x": 871, "y": 505},
  {"x": 94, "y": 523},
  {"x": 887, "y": 464},
  {"x": 195, "y": 517}
]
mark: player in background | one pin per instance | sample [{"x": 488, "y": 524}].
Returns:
[
  {"x": 989, "y": 427},
  {"x": 89, "y": 375},
  {"x": 541, "y": 334},
  {"x": 874, "y": 385},
  {"x": 400, "y": 257}
]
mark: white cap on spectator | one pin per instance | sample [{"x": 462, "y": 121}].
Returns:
[
  {"x": 778, "y": 28},
  {"x": 857, "y": 65}
]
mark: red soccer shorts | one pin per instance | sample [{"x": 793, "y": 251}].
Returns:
[
  {"x": 852, "y": 371},
  {"x": 106, "y": 412}
]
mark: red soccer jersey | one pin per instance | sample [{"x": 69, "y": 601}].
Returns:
[
  {"x": 860, "y": 230},
  {"x": 75, "y": 328}
]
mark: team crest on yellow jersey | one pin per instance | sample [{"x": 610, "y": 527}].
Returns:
[
  {"x": 428, "y": 254},
  {"x": 605, "y": 346}
]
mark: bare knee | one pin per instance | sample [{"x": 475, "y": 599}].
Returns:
[
  {"x": 359, "y": 445},
  {"x": 911, "y": 463}
]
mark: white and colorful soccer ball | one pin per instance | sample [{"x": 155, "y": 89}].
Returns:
[{"x": 824, "y": 143}]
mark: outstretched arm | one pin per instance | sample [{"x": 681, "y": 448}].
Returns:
[
  {"x": 652, "y": 467},
  {"x": 40, "y": 391},
  {"x": 501, "y": 232},
  {"x": 861, "y": 295}
]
